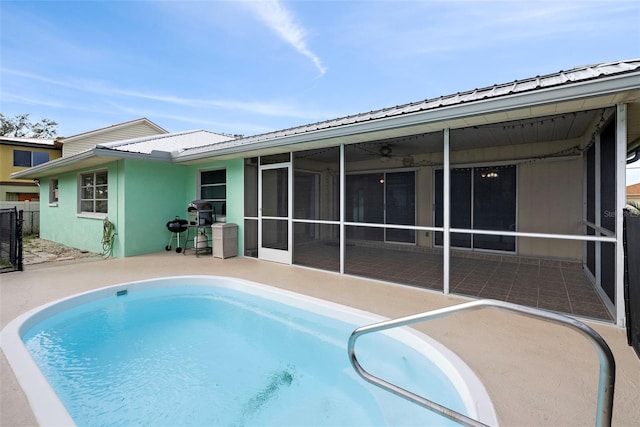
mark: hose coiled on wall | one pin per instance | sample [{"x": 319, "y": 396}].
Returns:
[{"x": 108, "y": 236}]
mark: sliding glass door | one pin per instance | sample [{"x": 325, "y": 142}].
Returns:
[
  {"x": 494, "y": 207},
  {"x": 482, "y": 198},
  {"x": 461, "y": 211},
  {"x": 400, "y": 206},
  {"x": 381, "y": 198}
]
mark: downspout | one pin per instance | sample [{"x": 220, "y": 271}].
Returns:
[
  {"x": 117, "y": 215},
  {"x": 621, "y": 158}
]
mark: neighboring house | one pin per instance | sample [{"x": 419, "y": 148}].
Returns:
[
  {"x": 87, "y": 140},
  {"x": 19, "y": 154},
  {"x": 633, "y": 193},
  {"x": 530, "y": 171}
]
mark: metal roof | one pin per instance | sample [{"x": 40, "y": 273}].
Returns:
[
  {"x": 30, "y": 141},
  {"x": 155, "y": 147},
  {"x": 538, "y": 83},
  {"x": 171, "y": 142}
]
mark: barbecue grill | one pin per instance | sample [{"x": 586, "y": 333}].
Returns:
[
  {"x": 200, "y": 213},
  {"x": 176, "y": 226}
]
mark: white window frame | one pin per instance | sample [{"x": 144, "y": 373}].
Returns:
[
  {"x": 53, "y": 192},
  {"x": 219, "y": 217},
  {"x": 92, "y": 214},
  {"x": 31, "y": 159}
]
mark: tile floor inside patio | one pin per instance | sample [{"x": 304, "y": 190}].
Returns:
[{"x": 562, "y": 287}]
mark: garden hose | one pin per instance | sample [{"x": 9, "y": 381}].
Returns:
[{"x": 108, "y": 236}]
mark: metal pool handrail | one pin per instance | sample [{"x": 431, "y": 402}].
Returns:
[{"x": 604, "y": 410}]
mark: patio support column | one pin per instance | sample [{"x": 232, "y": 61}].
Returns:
[
  {"x": 446, "y": 211},
  {"x": 621, "y": 184},
  {"x": 598, "y": 212},
  {"x": 342, "y": 207}
]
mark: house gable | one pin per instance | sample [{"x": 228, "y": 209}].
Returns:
[{"x": 128, "y": 130}]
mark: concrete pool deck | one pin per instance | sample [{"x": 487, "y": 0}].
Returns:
[{"x": 536, "y": 373}]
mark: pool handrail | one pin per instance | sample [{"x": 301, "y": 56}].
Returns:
[{"x": 604, "y": 410}]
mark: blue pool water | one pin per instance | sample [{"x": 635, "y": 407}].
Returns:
[{"x": 216, "y": 355}]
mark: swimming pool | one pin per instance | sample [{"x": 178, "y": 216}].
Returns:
[{"x": 220, "y": 351}]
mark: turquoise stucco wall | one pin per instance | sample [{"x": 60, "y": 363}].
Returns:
[
  {"x": 235, "y": 191},
  {"x": 151, "y": 194},
  {"x": 61, "y": 223},
  {"x": 143, "y": 196}
]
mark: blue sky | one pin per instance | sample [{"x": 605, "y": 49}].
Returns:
[{"x": 254, "y": 66}]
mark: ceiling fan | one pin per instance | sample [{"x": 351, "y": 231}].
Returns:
[{"x": 384, "y": 154}]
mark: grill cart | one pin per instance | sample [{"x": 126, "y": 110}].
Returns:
[
  {"x": 176, "y": 226},
  {"x": 201, "y": 216},
  {"x": 200, "y": 213}
]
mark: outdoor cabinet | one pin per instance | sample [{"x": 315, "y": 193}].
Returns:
[{"x": 225, "y": 240}]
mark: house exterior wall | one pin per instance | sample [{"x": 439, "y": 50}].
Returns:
[
  {"x": 135, "y": 130},
  {"x": 61, "y": 223},
  {"x": 149, "y": 195},
  {"x": 140, "y": 204},
  {"x": 235, "y": 191},
  {"x": 550, "y": 201},
  {"x": 143, "y": 197},
  {"x": 11, "y": 188}
]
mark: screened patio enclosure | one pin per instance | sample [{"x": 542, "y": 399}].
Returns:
[{"x": 524, "y": 219}]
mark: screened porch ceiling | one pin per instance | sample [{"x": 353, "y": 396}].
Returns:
[{"x": 558, "y": 127}]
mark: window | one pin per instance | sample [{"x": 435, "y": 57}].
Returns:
[
  {"x": 94, "y": 192},
  {"x": 53, "y": 191},
  {"x": 22, "y": 158},
  {"x": 27, "y": 159},
  {"x": 39, "y": 157},
  {"x": 213, "y": 189}
]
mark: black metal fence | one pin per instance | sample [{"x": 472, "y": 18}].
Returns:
[
  {"x": 632, "y": 279},
  {"x": 31, "y": 215},
  {"x": 11, "y": 221},
  {"x": 31, "y": 224}
]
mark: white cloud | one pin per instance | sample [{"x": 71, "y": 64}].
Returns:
[
  {"x": 263, "y": 108},
  {"x": 460, "y": 27},
  {"x": 633, "y": 174},
  {"x": 8, "y": 97},
  {"x": 280, "y": 109},
  {"x": 273, "y": 14},
  {"x": 197, "y": 121}
]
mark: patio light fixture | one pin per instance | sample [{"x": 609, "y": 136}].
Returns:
[{"x": 491, "y": 174}]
